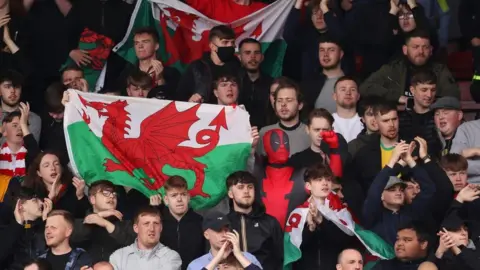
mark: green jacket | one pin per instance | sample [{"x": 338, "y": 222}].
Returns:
[{"x": 389, "y": 81}]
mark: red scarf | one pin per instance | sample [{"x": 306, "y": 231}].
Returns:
[{"x": 12, "y": 164}]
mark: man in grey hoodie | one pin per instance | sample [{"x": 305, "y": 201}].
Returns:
[{"x": 467, "y": 144}]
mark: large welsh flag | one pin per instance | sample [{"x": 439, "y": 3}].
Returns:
[
  {"x": 334, "y": 211},
  {"x": 139, "y": 143},
  {"x": 184, "y": 32}
]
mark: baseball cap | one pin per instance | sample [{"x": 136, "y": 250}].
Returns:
[
  {"x": 215, "y": 221},
  {"x": 392, "y": 181},
  {"x": 446, "y": 103},
  {"x": 453, "y": 223}
]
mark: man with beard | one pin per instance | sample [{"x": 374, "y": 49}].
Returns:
[
  {"x": 393, "y": 80},
  {"x": 11, "y": 90},
  {"x": 196, "y": 83},
  {"x": 287, "y": 106},
  {"x": 347, "y": 122},
  {"x": 255, "y": 84},
  {"x": 260, "y": 233},
  {"x": 417, "y": 119},
  {"x": 448, "y": 116},
  {"x": 380, "y": 148},
  {"x": 318, "y": 91}
]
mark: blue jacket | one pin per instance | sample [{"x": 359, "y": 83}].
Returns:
[{"x": 383, "y": 221}]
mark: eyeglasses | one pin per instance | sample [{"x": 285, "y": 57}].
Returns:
[
  {"x": 108, "y": 193},
  {"x": 406, "y": 16}
]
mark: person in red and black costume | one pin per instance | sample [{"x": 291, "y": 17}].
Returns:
[
  {"x": 328, "y": 147},
  {"x": 281, "y": 187}
]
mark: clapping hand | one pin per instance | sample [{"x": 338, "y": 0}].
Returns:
[
  {"x": 446, "y": 242},
  {"x": 469, "y": 193},
  {"x": 54, "y": 189},
  {"x": 79, "y": 186},
  {"x": 25, "y": 112},
  {"x": 423, "y": 151},
  {"x": 398, "y": 151},
  {"x": 394, "y": 8},
  {"x": 156, "y": 70},
  {"x": 234, "y": 239}
]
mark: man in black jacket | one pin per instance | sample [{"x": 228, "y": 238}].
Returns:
[
  {"x": 417, "y": 118},
  {"x": 164, "y": 79},
  {"x": 260, "y": 233},
  {"x": 384, "y": 210},
  {"x": 255, "y": 90},
  {"x": 458, "y": 245},
  {"x": 302, "y": 37},
  {"x": 23, "y": 239},
  {"x": 94, "y": 233},
  {"x": 182, "y": 227},
  {"x": 196, "y": 83}
]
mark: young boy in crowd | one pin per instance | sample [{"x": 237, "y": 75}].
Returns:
[{"x": 322, "y": 240}]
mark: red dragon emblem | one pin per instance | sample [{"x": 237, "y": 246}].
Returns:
[{"x": 158, "y": 143}]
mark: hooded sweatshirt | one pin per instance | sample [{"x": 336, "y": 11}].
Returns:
[{"x": 260, "y": 235}]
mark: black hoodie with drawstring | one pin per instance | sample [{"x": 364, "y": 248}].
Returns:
[{"x": 260, "y": 235}]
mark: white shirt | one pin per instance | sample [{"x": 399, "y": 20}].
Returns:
[{"x": 348, "y": 127}]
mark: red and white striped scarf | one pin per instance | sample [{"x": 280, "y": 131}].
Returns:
[{"x": 12, "y": 164}]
